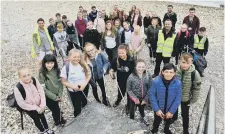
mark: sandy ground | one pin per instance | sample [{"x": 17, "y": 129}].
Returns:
[{"x": 19, "y": 19}]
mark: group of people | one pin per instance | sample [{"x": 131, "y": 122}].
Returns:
[{"x": 82, "y": 46}]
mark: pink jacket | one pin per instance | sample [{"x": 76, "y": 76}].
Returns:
[{"x": 34, "y": 97}]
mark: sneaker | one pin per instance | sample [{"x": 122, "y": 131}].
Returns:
[
  {"x": 168, "y": 132},
  {"x": 105, "y": 102},
  {"x": 116, "y": 104},
  {"x": 63, "y": 122},
  {"x": 144, "y": 120},
  {"x": 154, "y": 131},
  {"x": 153, "y": 76},
  {"x": 49, "y": 131}
]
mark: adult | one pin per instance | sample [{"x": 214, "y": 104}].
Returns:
[
  {"x": 165, "y": 46},
  {"x": 59, "y": 20},
  {"x": 159, "y": 20},
  {"x": 147, "y": 20},
  {"x": 42, "y": 43},
  {"x": 131, "y": 13},
  {"x": 99, "y": 23},
  {"x": 192, "y": 21},
  {"x": 170, "y": 15},
  {"x": 165, "y": 96},
  {"x": 137, "y": 19}
]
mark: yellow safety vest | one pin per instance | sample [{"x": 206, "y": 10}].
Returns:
[
  {"x": 165, "y": 46},
  {"x": 199, "y": 44},
  {"x": 33, "y": 53}
]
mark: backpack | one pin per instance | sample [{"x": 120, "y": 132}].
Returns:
[{"x": 11, "y": 100}]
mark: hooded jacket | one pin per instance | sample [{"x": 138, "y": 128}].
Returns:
[
  {"x": 93, "y": 37},
  {"x": 138, "y": 88},
  {"x": 185, "y": 77},
  {"x": 72, "y": 33},
  {"x": 157, "y": 95}
]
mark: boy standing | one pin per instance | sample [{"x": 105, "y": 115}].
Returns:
[
  {"x": 191, "y": 84},
  {"x": 201, "y": 43}
]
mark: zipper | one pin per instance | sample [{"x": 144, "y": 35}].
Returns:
[{"x": 166, "y": 97}]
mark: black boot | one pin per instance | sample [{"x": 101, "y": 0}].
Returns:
[
  {"x": 154, "y": 130},
  {"x": 116, "y": 104},
  {"x": 62, "y": 122}
]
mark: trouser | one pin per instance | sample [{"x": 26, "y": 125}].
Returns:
[
  {"x": 81, "y": 41},
  {"x": 69, "y": 47},
  {"x": 159, "y": 59},
  {"x": 54, "y": 107},
  {"x": 63, "y": 51},
  {"x": 177, "y": 57},
  {"x": 39, "y": 120},
  {"x": 152, "y": 52},
  {"x": 112, "y": 53},
  {"x": 78, "y": 100},
  {"x": 157, "y": 121},
  {"x": 185, "y": 115},
  {"x": 102, "y": 87},
  {"x": 123, "y": 90},
  {"x": 201, "y": 52},
  {"x": 133, "y": 107}
]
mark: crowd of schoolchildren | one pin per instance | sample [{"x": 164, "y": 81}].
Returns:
[{"x": 81, "y": 44}]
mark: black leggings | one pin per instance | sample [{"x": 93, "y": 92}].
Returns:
[
  {"x": 54, "y": 107},
  {"x": 112, "y": 53},
  {"x": 133, "y": 107},
  {"x": 79, "y": 100},
  {"x": 39, "y": 120},
  {"x": 102, "y": 87},
  {"x": 123, "y": 90}
]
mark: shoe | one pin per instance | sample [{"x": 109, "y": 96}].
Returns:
[
  {"x": 127, "y": 110},
  {"x": 63, "y": 122},
  {"x": 167, "y": 132},
  {"x": 105, "y": 102},
  {"x": 144, "y": 120},
  {"x": 201, "y": 75},
  {"x": 154, "y": 130},
  {"x": 49, "y": 131},
  {"x": 116, "y": 104},
  {"x": 153, "y": 76},
  {"x": 185, "y": 132}
]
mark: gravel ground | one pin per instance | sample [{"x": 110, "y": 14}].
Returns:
[{"x": 19, "y": 19}]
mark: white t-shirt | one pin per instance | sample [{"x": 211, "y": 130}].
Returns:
[
  {"x": 128, "y": 37},
  {"x": 110, "y": 42},
  {"x": 76, "y": 75}
]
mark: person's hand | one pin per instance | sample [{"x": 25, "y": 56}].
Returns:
[
  {"x": 75, "y": 87},
  {"x": 39, "y": 110},
  {"x": 137, "y": 102},
  {"x": 35, "y": 34},
  {"x": 149, "y": 45},
  {"x": 143, "y": 102},
  {"x": 169, "y": 115},
  {"x": 160, "y": 114},
  {"x": 81, "y": 87},
  {"x": 58, "y": 99},
  {"x": 81, "y": 35}
]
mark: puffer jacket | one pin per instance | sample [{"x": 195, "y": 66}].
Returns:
[
  {"x": 185, "y": 77},
  {"x": 152, "y": 35},
  {"x": 135, "y": 84},
  {"x": 157, "y": 95}
]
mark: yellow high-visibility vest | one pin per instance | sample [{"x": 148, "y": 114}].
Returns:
[
  {"x": 199, "y": 44},
  {"x": 36, "y": 32},
  {"x": 165, "y": 46}
]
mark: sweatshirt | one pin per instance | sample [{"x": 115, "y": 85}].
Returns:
[
  {"x": 35, "y": 97},
  {"x": 80, "y": 26},
  {"x": 52, "y": 86},
  {"x": 99, "y": 24}
]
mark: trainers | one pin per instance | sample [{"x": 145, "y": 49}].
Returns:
[
  {"x": 63, "y": 122},
  {"x": 116, "y": 104},
  {"x": 49, "y": 131},
  {"x": 105, "y": 102},
  {"x": 154, "y": 131},
  {"x": 167, "y": 132}
]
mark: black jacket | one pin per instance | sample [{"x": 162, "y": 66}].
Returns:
[
  {"x": 159, "y": 21},
  {"x": 183, "y": 39},
  {"x": 172, "y": 16},
  {"x": 92, "y": 36},
  {"x": 152, "y": 35},
  {"x": 123, "y": 36},
  {"x": 51, "y": 31},
  {"x": 93, "y": 16},
  {"x": 147, "y": 21}
]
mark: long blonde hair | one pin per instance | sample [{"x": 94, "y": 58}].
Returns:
[
  {"x": 82, "y": 61},
  {"x": 137, "y": 30},
  {"x": 86, "y": 56}
]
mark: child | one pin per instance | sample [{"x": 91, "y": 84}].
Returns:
[
  {"x": 75, "y": 76},
  {"x": 201, "y": 43},
  {"x": 165, "y": 96},
  {"x": 126, "y": 34},
  {"x": 64, "y": 20},
  {"x": 85, "y": 15},
  {"x": 190, "y": 87},
  {"x": 80, "y": 25},
  {"x": 99, "y": 23},
  {"x": 32, "y": 99},
  {"x": 136, "y": 42},
  {"x": 51, "y": 28},
  {"x": 138, "y": 85},
  {"x": 109, "y": 41},
  {"x": 124, "y": 66},
  {"x": 50, "y": 80},
  {"x": 91, "y": 35},
  {"x": 119, "y": 30},
  {"x": 60, "y": 40},
  {"x": 147, "y": 20},
  {"x": 99, "y": 65},
  {"x": 58, "y": 20}
]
